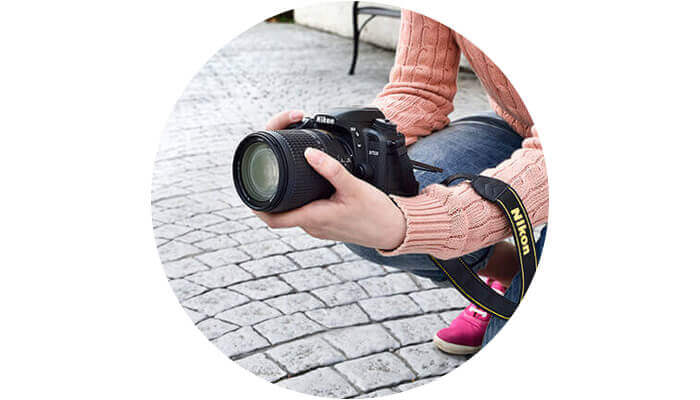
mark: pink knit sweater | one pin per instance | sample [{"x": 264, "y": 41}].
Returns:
[{"x": 447, "y": 222}]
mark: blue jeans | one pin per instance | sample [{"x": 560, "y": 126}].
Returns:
[{"x": 465, "y": 146}]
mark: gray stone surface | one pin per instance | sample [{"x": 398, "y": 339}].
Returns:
[
  {"x": 287, "y": 327},
  {"x": 415, "y": 329},
  {"x": 427, "y": 360},
  {"x": 295, "y": 302},
  {"x": 375, "y": 371},
  {"x": 215, "y": 301},
  {"x": 248, "y": 314},
  {"x": 304, "y": 354},
  {"x": 344, "y": 293},
  {"x": 439, "y": 299},
  {"x": 322, "y": 382},
  {"x": 262, "y": 288},
  {"x": 201, "y": 225},
  {"x": 220, "y": 277},
  {"x": 360, "y": 341},
  {"x": 240, "y": 342},
  {"x": 262, "y": 367},
  {"x": 338, "y": 317},
  {"x": 381, "y": 308},
  {"x": 212, "y": 328},
  {"x": 388, "y": 285}
]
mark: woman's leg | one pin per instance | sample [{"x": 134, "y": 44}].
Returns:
[{"x": 463, "y": 147}]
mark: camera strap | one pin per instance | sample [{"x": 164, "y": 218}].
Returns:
[{"x": 464, "y": 278}]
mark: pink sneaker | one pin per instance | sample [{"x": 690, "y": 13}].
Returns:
[{"x": 466, "y": 333}]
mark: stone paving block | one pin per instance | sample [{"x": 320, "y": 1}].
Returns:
[
  {"x": 226, "y": 227},
  {"x": 381, "y": 308},
  {"x": 425, "y": 283},
  {"x": 253, "y": 222},
  {"x": 307, "y": 279},
  {"x": 295, "y": 302},
  {"x": 174, "y": 250},
  {"x": 413, "y": 385},
  {"x": 449, "y": 316},
  {"x": 216, "y": 243},
  {"x": 223, "y": 257},
  {"x": 343, "y": 293},
  {"x": 248, "y": 314},
  {"x": 262, "y": 288},
  {"x": 213, "y": 328},
  {"x": 306, "y": 242},
  {"x": 195, "y": 316},
  {"x": 195, "y": 236},
  {"x": 265, "y": 248},
  {"x": 170, "y": 231},
  {"x": 269, "y": 266},
  {"x": 439, "y": 299},
  {"x": 251, "y": 236},
  {"x": 322, "y": 382},
  {"x": 184, "y": 289},
  {"x": 215, "y": 301},
  {"x": 285, "y": 232},
  {"x": 184, "y": 267},
  {"x": 235, "y": 213},
  {"x": 220, "y": 277},
  {"x": 241, "y": 341},
  {"x": 388, "y": 285},
  {"x": 304, "y": 354},
  {"x": 340, "y": 316},
  {"x": 360, "y": 341},
  {"x": 263, "y": 367},
  {"x": 344, "y": 253},
  {"x": 354, "y": 270},
  {"x": 375, "y": 371},
  {"x": 203, "y": 220},
  {"x": 416, "y": 329},
  {"x": 315, "y": 257},
  {"x": 376, "y": 393},
  {"x": 287, "y": 327},
  {"x": 427, "y": 360}
]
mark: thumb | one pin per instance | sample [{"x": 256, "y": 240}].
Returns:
[{"x": 329, "y": 168}]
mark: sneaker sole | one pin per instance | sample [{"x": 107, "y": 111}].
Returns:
[{"x": 456, "y": 349}]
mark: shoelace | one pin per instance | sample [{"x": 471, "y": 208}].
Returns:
[{"x": 477, "y": 311}]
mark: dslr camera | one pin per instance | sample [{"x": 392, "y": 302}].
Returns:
[{"x": 271, "y": 174}]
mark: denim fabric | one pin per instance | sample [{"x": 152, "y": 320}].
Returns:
[
  {"x": 470, "y": 146},
  {"x": 512, "y": 294},
  {"x": 462, "y": 147}
]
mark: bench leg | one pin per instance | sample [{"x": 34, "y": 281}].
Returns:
[{"x": 355, "y": 38}]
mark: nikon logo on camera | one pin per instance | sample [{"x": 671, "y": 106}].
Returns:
[
  {"x": 325, "y": 119},
  {"x": 522, "y": 230}
]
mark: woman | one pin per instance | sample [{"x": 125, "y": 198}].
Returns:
[{"x": 445, "y": 222}]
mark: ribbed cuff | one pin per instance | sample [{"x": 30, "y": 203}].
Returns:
[{"x": 427, "y": 225}]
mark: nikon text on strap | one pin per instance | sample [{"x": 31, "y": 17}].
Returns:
[{"x": 464, "y": 278}]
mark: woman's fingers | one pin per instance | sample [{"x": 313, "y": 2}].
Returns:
[
  {"x": 284, "y": 119},
  {"x": 329, "y": 168}
]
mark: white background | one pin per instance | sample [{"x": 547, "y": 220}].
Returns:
[{"x": 86, "y": 88}]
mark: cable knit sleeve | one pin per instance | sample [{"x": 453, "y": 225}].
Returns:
[
  {"x": 423, "y": 81},
  {"x": 448, "y": 222}
]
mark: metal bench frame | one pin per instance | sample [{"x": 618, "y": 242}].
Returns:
[{"x": 372, "y": 12}]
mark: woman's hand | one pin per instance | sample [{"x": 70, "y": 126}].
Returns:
[
  {"x": 284, "y": 119},
  {"x": 357, "y": 212}
]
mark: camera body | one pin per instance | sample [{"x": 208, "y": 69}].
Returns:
[
  {"x": 374, "y": 150},
  {"x": 271, "y": 174}
]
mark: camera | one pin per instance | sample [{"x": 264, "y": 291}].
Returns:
[{"x": 271, "y": 174}]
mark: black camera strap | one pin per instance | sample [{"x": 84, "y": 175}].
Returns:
[{"x": 464, "y": 278}]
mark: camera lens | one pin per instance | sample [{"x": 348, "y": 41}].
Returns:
[
  {"x": 260, "y": 171},
  {"x": 271, "y": 174}
]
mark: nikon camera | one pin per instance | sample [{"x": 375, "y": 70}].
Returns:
[{"x": 271, "y": 174}]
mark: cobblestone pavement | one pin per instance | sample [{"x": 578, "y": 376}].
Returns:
[{"x": 298, "y": 311}]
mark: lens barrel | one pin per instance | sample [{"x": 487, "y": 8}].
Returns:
[{"x": 271, "y": 174}]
